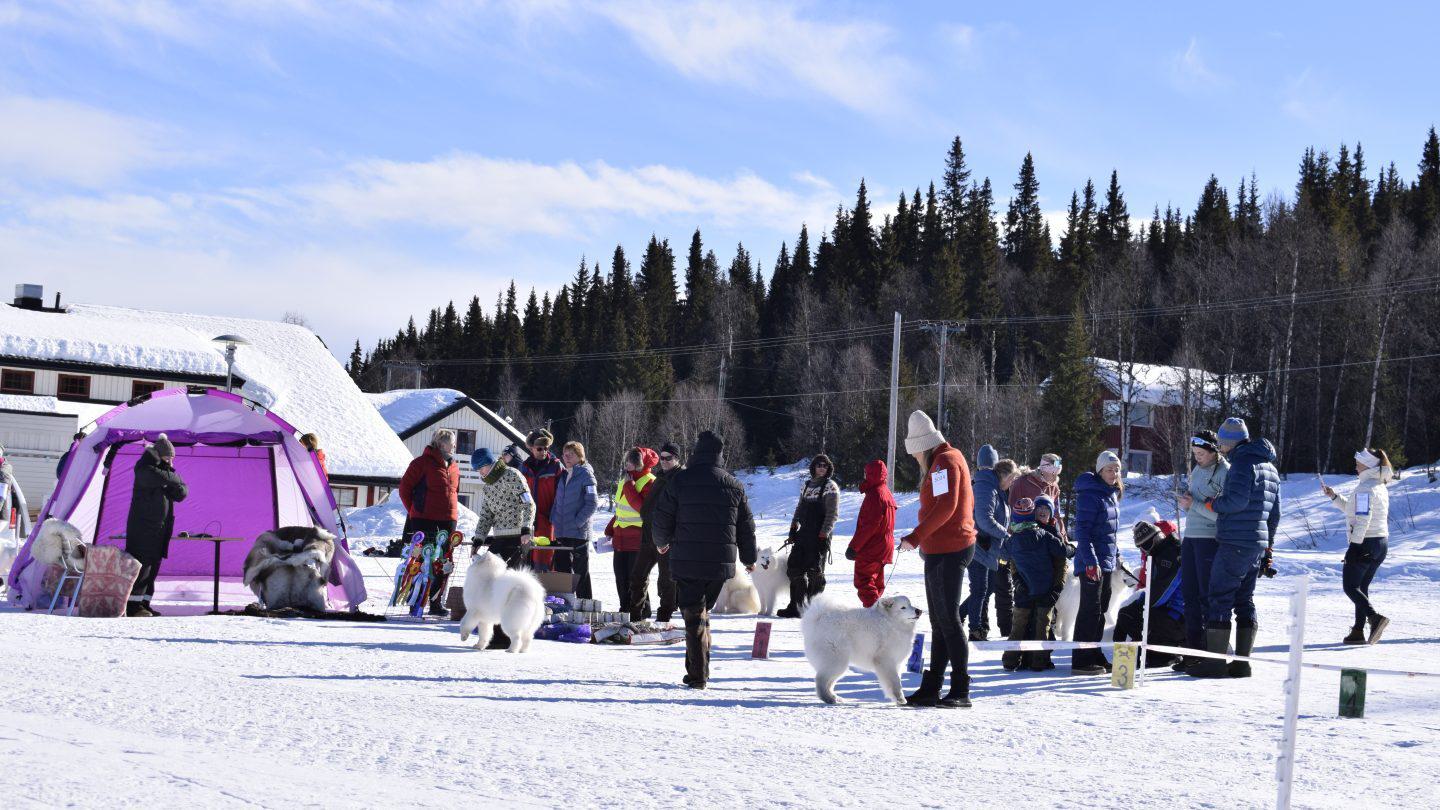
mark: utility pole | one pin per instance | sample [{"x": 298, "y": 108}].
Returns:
[
  {"x": 724, "y": 362},
  {"x": 940, "y": 405},
  {"x": 894, "y": 397}
]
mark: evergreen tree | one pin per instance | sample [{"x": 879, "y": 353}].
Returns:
[
  {"x": 655, "y": 283},
  {"x": 1068, "y": 406},
  {"x": 1425, "y": 194},
  {"x": 1212, "y": 222},
  {"x": 1077, "y": 253},
  {"x": 356, "y": 366},
  {"x": 955, "y": 193},
  {"x": 1027, "y": 243},
  {"x": 1112, "y": 224}
]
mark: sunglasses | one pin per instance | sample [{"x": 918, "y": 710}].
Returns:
[
  {"x": 666, "y": 457},
  {"x": 1202, "y": 442}
]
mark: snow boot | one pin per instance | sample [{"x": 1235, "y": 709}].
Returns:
[
  {"x": 929, "y": 692},
  {"x": 1378, "y": 624},
  {"x": 1357, "y": 635},
  {"x": 1217, "y": 640},
  {"x": 1014, "y": 659},
  {"x": 1244, "y": 644},
  {"x": 499, "y": 641},
  {"x": 151, "y": 611},
  {"x": 799, "y": 591},
  {"x": 697, "y": 647},
  {"x": 959, "y": 695}
]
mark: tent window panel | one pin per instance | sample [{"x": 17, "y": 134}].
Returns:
[{"x": 15, "y": 381}]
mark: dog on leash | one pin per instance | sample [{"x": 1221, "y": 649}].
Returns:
[
  {"x": 877, "y": 638},
  {"x": 772, "y": 583},
  {"x": 495, "y": 595},
  {"x": 1068, "y": 608},
  {"x": 738, "y": 595},
  {"x": 288, "y": 567}
]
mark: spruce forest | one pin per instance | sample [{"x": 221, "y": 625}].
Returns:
[{"x": 1312, "y": 314}]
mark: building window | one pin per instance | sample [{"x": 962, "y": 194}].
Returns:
[
  {"x": 464, "y": 499},
  {"x": 140, "y": 388},
  {"x": 464, "y": 442},
  {"x": 1139, "y": 462},
  {"x": 1140, "y": 415},
  {"x": 382, "y": 494},
  {"x": 17, "y": 382},
  {"x": 73, "y": 386},
  {"x": 346, "y": 496}
]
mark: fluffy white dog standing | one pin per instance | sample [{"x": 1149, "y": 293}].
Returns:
[
  {"x": 515, "y": 600},
  {"x": 1068, "y": 608},
  {"x": 876, "y": 638},
  {"x": 738, "y": 595},
  {"x": 771, "y": 581}
]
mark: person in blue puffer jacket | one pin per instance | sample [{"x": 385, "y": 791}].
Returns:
[
  {"x": 992, "y": 529},
  {"x": 1247, "y": 517},
  {"x": 575, "y": 502},
  {"x": 1097, "y": 552}
]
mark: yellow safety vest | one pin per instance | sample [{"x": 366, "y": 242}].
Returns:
[{"x": 626, "y": 516}]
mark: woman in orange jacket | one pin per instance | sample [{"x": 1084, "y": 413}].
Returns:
[{"x": 945, "y": 536}]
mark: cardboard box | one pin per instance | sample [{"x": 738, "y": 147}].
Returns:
[{"x": 558, "y": 581}]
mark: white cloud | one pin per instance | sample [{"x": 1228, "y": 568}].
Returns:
[
  {"x": 487, "y": 198},
  {"x": 52, "y": 139},
  {"x": 1310, "y": 101},
  {"x": 1189, "y": 71},
  {"x": 769, "y": 46}
]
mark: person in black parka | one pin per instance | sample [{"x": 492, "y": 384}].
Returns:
[
  {"x": 151, "y": 520},
  {"x": 810, "y": 532},
  {"x": 1160, "y": 542},
  {"x": 703, "y": 522}
]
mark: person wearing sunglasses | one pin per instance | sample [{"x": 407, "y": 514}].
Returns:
[
  {"x": 1206, "y": 480},
  {"x": 810, "y": 532}
]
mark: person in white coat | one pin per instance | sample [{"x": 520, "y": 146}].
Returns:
[{"x": 1367, "y": 519}]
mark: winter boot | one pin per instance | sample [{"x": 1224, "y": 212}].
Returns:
[
  {"x": 499, "y": 641},
  {"x": 1217, "y": 640},
  {"x": 1357, "y": 635},
  {"x": 1181, "y": 663},
  {"x": 1244, "y": 644},
  {"x": 929, "y": 692},
  {"x": 799, "y": 589},
  {"x": 1020, "y": 622},
  {"x": 959, "y": 695},
  {"x": 1041, "y": 662},
  {"x": 1378, "y": 624},
  {"x": 697, "y": 647}
]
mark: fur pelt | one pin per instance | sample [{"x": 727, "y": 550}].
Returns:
[
  {"x": 876, "y": 638},
  {"x": 287, "y": 567},
  {"x": 59, "y": 541}
]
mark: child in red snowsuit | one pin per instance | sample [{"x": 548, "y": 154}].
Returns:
[{"x": 873, "y": 546}]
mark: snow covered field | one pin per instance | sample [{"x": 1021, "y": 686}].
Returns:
[{"x": 229, "y": 711}]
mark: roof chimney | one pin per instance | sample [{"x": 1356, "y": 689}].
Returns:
[{"x": 29, "y": 296}]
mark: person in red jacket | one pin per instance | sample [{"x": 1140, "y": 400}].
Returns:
[
  {"x": 430, "y": 490},
  {"x": 873, "y": 546},
  {"x": 542, "y": 473},
  {"x": 945, "y": 536}
]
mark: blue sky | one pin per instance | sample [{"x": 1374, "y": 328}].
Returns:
[{"x": 360, "y": 162}]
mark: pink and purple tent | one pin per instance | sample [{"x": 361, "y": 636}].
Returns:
[{"x": 246, "y": 472}]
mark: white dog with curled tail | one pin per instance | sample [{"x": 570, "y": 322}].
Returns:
[
  {"x": 515, "y": 600},
  {"x": 877, "y": 638}
]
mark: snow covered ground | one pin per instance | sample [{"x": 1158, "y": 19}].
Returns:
[{"x": 229, "y": 711}]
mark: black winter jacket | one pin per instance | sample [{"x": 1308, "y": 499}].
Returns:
[
  {"x": 703, "y": 517},
  {"x": 152, "y": 508},
  {"x": 652, "y": 499}
]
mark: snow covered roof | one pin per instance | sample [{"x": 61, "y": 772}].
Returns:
[
  {"x": 1149, "y": 384},
  {"x": 286, "y": 369},
  {"x": 86, "y": 412},
  {"x": 407, "y": 410}
]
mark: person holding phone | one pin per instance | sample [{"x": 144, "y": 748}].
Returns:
[
  {"x": 1197, "y": 553},
  {"x": 1367, "y": 519}
]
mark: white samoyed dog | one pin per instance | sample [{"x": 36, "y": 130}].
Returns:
[
  {"x": 771, "y": 581},
  {"x": 515, "y": 600},
  {"x": 738, "y": 596},
  {"x": 1068, "y": 607},
  {"x": 876, "y": 638}
]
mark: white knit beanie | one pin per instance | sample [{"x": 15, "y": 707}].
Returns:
[
  {"x": 1105, "y": 459},
  {"x": 922, "y": 434}
]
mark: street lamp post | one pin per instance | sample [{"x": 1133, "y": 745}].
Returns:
[{"x": 230, "y": 342}]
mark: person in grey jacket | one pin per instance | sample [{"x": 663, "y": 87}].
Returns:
[
  {"x": 1197, "y": 553},
  {"x": 992, "y": 529},
  {"x": 575, "y": 502}
]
